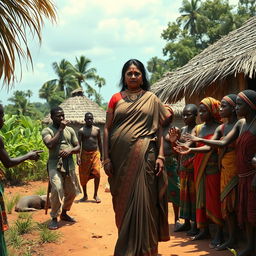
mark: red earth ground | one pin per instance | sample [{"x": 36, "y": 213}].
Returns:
[{"x": 95, "y": 232}]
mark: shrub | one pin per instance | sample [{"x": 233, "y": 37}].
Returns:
[
  {"x": 10, "y": 202},
  {"x": 21, "y": 134}
]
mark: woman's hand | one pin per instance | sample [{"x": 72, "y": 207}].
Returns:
[
  {"x": 188, "y": 137},
  {"x": 174, "y": 134},
  {"x": 182, "y": 149},
  {"x": 159, "y": 167},
  {"x": 108, "y": 168}
]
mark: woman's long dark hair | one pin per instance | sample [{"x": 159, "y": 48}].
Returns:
[{"x": 145, "y": 86}]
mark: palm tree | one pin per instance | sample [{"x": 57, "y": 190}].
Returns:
[
  {"x": 50, "y": 92},
  {"x": 82, "y": 72},
  {"x": 100, "y": 82},
  {"x": 191, "y": 14},
  {"x": 16, "y": 19},
  {"x": 21, "y": 103}
]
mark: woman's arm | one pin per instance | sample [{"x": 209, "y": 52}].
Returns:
[
  {"x": 107, "y": 162},
  {"x": 230, "y": 137}
]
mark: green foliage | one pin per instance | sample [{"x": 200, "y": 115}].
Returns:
[
  {"x": 21, "y": 134},
  {"x": 13, "y": 238},
  {"x": 48, "y": 236},
  {"x": 41, "y": 191},
  {"x": 10, "y": 202},
  {"x": 24, "y": 224},
  {"x": 69, "y": 78},
  {"x": 200, "y": 24}
]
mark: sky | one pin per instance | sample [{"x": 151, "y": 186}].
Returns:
[{"x": 108, "y": 32}]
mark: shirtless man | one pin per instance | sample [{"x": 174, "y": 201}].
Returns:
[{"x": 89, "y": 159}]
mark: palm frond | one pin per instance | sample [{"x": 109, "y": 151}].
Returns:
[{"x": 17, "y": 17}]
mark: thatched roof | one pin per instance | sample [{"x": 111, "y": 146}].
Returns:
[
  {"x": 75, "y": 109},
  {"x": 234, "y": 53},
  {"x": 178, "y": 107}
]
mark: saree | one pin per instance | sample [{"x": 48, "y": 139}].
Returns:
[
  {"x": 207, "y": 185},
  {"x": 187, "y": 188},
  {"x": 3, "y": 219},
  {"x": 173, "y": 190},
  {"x": 228, "y": 183},
  {"x": 139, "y": 196},
  {"x": 245, "y": 149},
  {"x": 90, "y": 166}
]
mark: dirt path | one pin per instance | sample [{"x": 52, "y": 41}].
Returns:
[{"x": 95, "y": 232}]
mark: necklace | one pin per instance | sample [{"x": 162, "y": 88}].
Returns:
[{"x": 133, "y": 95}]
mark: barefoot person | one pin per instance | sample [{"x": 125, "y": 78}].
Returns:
[
  {"x": 171, "y": 167},
  {"x": 229, "y": 176},
  {"x": 89, "y": 160},
  {"x": 207, "y": 173},
  {"x": 8, "y": 162},
  {"x": 134, "y": 162},
  {"x": 62, "y": 142},
  {"x": 186, "y": 174},
  {"x": 244, "y": 132}
]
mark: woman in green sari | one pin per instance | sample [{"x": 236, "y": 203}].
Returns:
[
  {"x": 8, "y": 162},
  {"x": 134, "y": 162}
]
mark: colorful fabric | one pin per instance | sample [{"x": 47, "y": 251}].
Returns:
[
  {"x": 213, "y": 106},
  {"x": 3, "y": 216},
  {"x": 245, "y": 151},
  {"x": 207, "y": 185},
  {"x": 139, "y": 196},
  {"x": 173, "y": 190},
  {"x": 3, "y": 222},
  {"x": 228, "y": 185},
  {"x": 90, "y": 166},
  {"x": 245, "y": 96},
  {"x": 230, "y": 99},
  {"x": 187, "y": 188}
]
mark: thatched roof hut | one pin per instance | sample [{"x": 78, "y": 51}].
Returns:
[
  {"x": 227, "y": 66},
  {"x": 75, "y": 108}
]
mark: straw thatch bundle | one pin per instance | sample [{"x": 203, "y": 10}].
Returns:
[
  {"x": 75, "y": 109},
  {"x": 233, "y": 54}
]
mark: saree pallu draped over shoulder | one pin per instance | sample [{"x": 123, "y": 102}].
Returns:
[
  {"x": 139, "y": 196},
  {"x": 207, "y": 185}
]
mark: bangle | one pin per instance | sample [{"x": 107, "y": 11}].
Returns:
[
  {"x": 106, "y": 161},
  {"x": 161, "y": 157}
]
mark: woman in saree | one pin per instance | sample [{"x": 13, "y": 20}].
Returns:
[
  {"x": 227, "y": 160},
  {"x": 206, "y": 172},
  {"x": 244, "y": 133},
  {"x": 134, "y": 162}
]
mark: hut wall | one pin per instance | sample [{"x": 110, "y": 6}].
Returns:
[{"x": 219, "y": 89}]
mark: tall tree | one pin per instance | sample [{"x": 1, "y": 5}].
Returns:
[
  {"x": 16, "y": 20},
  {"x": 20, "y": 99},
  {"x": 190, "y": 13}
]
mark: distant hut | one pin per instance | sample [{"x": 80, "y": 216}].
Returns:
[
  {"x": 178, "y": 109},
  {"x": 227, "y": 66},
  {"x": 75, "y": 108}
]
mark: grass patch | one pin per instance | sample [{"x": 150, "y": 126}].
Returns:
[
  {"x": 13, "y": 238},
  {"x": 49, "y": 236},
  {"x": 41, "y": 191},
  {"x": 24, "y": 223},
  {"x": 10, "y": 202}
]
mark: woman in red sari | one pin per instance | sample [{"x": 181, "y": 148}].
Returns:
[
  {"x": 134, "y": 162},
  {"x": 206, "y": 172}
]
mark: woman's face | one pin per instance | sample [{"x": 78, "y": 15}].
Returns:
[
  {"x": 242, "y": 108},
  {"x": 204, "y": 113},
  {"x": 133, "y": 78},
  {"x": 225, "y": 109}
]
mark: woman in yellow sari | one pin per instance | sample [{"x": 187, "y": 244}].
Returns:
[{"x": 134, "y": 162}]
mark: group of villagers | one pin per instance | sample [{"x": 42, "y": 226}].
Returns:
[
  {"x": 207, "y": 171},
  {"x": 216, "y": 167}
]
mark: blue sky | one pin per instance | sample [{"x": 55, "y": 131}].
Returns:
[{"x": 108, "y": 32}]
